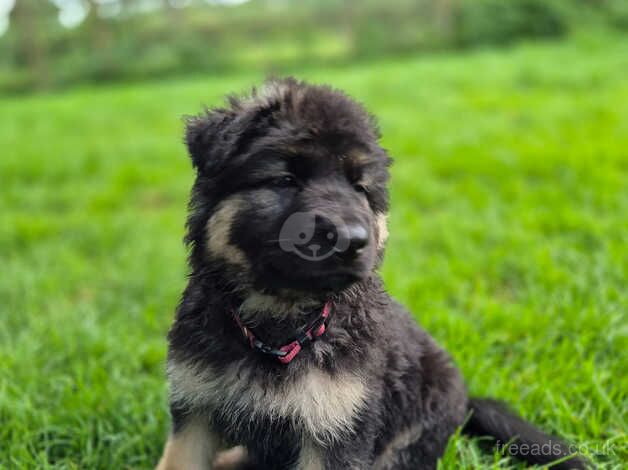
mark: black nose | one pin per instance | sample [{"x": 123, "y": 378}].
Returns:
[{"x": 358, "y": 237}]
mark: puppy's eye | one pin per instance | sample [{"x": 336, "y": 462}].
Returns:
[
  {"x": 360, "y": 188},
  {"x": 285, "y": 181}
]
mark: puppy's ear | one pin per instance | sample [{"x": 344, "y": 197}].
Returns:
[{"x": 203, "y": 136}]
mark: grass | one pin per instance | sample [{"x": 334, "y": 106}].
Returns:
[{"x": 509, "y": 241}]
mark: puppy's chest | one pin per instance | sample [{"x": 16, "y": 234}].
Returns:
[{"x": 319, "y": 404}]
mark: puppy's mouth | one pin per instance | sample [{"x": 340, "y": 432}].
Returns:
[
  {"x": 314, "y": 280},
  {"x": 334, "y": 282}
]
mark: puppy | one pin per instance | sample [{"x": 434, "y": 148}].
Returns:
[{"x": 286, "y": 345}]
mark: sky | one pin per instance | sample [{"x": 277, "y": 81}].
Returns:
[
  {"x": 73, "y": 12},
  {"x": 5, "y": 8}
]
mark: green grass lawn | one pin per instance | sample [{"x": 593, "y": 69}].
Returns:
[{"x": 509, "y": 242}]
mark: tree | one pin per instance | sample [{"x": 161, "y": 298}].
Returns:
[{"x": 30, "y": 24}]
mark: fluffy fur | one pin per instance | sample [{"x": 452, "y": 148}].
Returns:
[{"x": 375, "y": 391}]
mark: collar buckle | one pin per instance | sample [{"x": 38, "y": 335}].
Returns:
[{"x": 266, "y": 349}]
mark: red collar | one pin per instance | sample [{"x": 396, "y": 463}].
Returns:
[{"x": 286, "y": 353}]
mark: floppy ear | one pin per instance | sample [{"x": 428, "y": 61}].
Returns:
[{"x": 203, "y": 135}]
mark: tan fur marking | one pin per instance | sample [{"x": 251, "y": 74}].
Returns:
[
  {"x": 311, "y": 457},
  {"x": 219, "y": 231},
  {"x": 267, "y": 198},
  {"x": 399, "y": 442},
  {"x": 382, "y": 230},
  {"x": 321, "y": 405},
  {"x": 192, "y": 448},
  {"x": 230, "y": 459},
  {"x": 359, "y": 158}
]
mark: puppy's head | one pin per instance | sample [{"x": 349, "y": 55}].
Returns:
[{"x": 290, "y": 194}]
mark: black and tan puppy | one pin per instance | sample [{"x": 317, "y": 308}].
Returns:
[{"x": 285, "y": 342}]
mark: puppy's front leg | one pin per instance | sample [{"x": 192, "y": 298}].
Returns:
[
  {"x": 311, "y": 456},
  {"x": 192, "y": 446},
  {"x": 344, "y": 455}
]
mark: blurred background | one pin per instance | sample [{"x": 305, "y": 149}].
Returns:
[
  {"x": 62, "y": 43},
  {"x": 508, "y": 123}
]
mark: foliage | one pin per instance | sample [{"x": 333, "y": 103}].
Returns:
[
  {"x": 508, "y": 241},
  {"x": 499, "y": 22},
  {"x": 619, "y": 13},
  {"x": 265, "y": 35}
]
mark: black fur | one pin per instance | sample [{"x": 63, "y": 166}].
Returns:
[
  {"x": 302, "y": 148},
  {"x": 518, "y": 437}
]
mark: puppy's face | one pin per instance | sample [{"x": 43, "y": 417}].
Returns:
[{"x": 291, "y": 190}]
